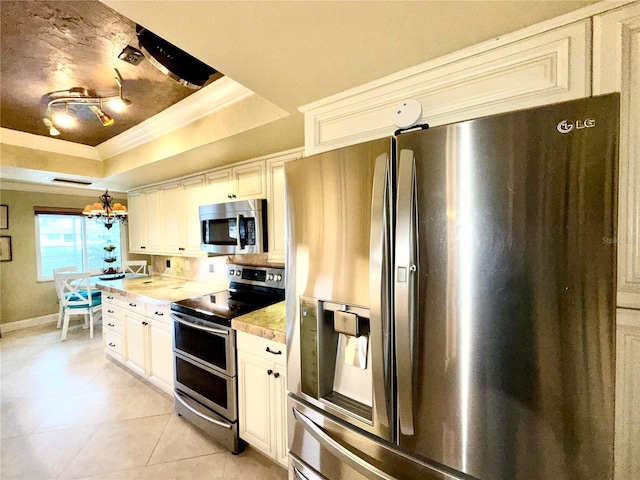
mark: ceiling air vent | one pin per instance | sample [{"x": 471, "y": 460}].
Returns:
[
  {"x": 174, "y": 62},
  {"x": 69, "y": 181}
]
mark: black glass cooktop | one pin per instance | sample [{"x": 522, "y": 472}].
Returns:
[{"x": 221, "y": 307}]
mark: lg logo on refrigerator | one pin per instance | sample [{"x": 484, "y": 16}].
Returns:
[{"x": 565, "y": 126}]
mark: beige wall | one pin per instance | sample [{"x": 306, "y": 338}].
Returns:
[{"x": 21, "y": 295}]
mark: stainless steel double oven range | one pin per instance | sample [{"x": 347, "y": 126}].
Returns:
[{"x": 204, "y": 349}]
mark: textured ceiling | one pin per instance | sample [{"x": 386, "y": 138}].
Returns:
[{"x": 58, "y": 45}]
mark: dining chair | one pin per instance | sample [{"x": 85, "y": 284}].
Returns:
[
  {"x": 57, "y": 286},
  {"x": 135, "y": 266},
  {"x": 78, "y": 298}
]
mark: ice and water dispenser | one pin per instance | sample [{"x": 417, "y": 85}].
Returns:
[{"x": 336, "y": 356}]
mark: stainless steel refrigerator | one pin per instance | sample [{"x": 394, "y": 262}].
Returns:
[{"x": 451, "y": 300}]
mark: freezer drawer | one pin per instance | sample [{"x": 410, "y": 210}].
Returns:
[{"x": 335, "y": 451}]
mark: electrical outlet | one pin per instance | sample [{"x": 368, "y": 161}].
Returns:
[
  {"x": 168, "y": 263},
  {"x": 212, "y": 268},
  {"x": 187, "y": 265}
]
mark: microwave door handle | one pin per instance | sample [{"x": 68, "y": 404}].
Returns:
[{"x": 240, "y": 243}]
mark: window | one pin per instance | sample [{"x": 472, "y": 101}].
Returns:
[{"x": 66, "y": 240}]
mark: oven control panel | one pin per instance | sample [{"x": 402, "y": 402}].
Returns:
[{"x": 254, "y": 275}]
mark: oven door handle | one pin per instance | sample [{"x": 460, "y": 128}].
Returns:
[
  {"x": 180, "y": 398},
  {"x": 215, "y": 331}
]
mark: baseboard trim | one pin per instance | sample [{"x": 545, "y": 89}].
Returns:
[{"x": 29, "y": 322}]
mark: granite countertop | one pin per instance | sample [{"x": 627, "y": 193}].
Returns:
[
  {"x": 165, "y": 289},
  {"x": 268, "y": 322}
]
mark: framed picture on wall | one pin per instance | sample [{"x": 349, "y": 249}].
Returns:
[
  {"x": 4, "y": 217},
  {"x": 5, "y": 248}
]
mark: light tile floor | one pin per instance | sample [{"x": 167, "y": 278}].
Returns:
[{"x": 68, "y": 412}]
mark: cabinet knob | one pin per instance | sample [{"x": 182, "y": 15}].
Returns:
[
  {"x": 276, "y": 375},
  {"x": 269, "y": 372},
  {"x": 111, "y": 324},
  {"x": 111, "y": 344},
  {"x": 160, "y": 314},
  {"x": 275, "y": 352},
  {"x": 182, "y": 249},
  {"x": 142, "y": 246},
  {"x": 133, "y": 305},
  {"x": 110, "y": 311},
  {"x": 145, "y": 323}
]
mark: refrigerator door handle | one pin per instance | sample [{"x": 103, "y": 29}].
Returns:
[
  {"x": 339, "y": 451},
  {"x": 379, "y": 290},
  {"x": 406, "y": 276}
]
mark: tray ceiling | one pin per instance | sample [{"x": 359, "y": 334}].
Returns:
[{"x": 58, "y": 45}]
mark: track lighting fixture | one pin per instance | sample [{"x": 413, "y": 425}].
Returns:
[
  {"x": 53, "y": 131},
  {"x": 58, "y": 114}
]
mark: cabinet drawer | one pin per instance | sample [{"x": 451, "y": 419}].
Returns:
[
  {"x": 113, "y": 299},
  {"x": 111, "y": 324},
  {"x": 262, "y": 347},
  {"x": 109, "y": 310},
  {"x": 159, "y": 312},
  {"x": 113, "y": 344},
  {"x": 134, "y": 304}
]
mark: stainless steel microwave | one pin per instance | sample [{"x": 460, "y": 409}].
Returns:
[{"x": 234, "y": 227}]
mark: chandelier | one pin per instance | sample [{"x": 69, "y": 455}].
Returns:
[
  {"x": 58, "y": 115},
  {"x": 107, "y": 212}
]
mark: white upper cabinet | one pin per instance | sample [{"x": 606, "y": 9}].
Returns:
[
  {"x": 616, "y": 55},
  {"x": 137, "y": 223},
  {"x": 164, "y": 219},
  {"x": 248, "y": 181},
  {"x": 181, "y": 216},
  {"x": 196, "y": 194},
  {"x": 218, "y": 185},
  {"x": 493, "y": 77},
  {"x": 275, "y": 203},
  {"x": 240, "y": 182},
  {"x": 172, "y": 219},
  {"x": 155, "y": 219}
]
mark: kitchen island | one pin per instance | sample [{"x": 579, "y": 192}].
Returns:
[
  {"x": 136, "y": 323},
  {"x": 164, "y": 289}
]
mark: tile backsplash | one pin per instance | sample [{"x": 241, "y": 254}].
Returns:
[{"x": 210, "y": 269}]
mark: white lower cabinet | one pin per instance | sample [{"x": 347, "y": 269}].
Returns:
[
  {"x": 112, "y": 326},
  {"x": 627, "y": 444},
  {"x": 138, "y": 334},
  {"x": 160, "y": 361},
  {"x": 262, "y": 395}
]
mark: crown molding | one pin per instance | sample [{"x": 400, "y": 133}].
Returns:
[
  {"x": 220, "y": 94},
  {"x": 47, "y": 144}
]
